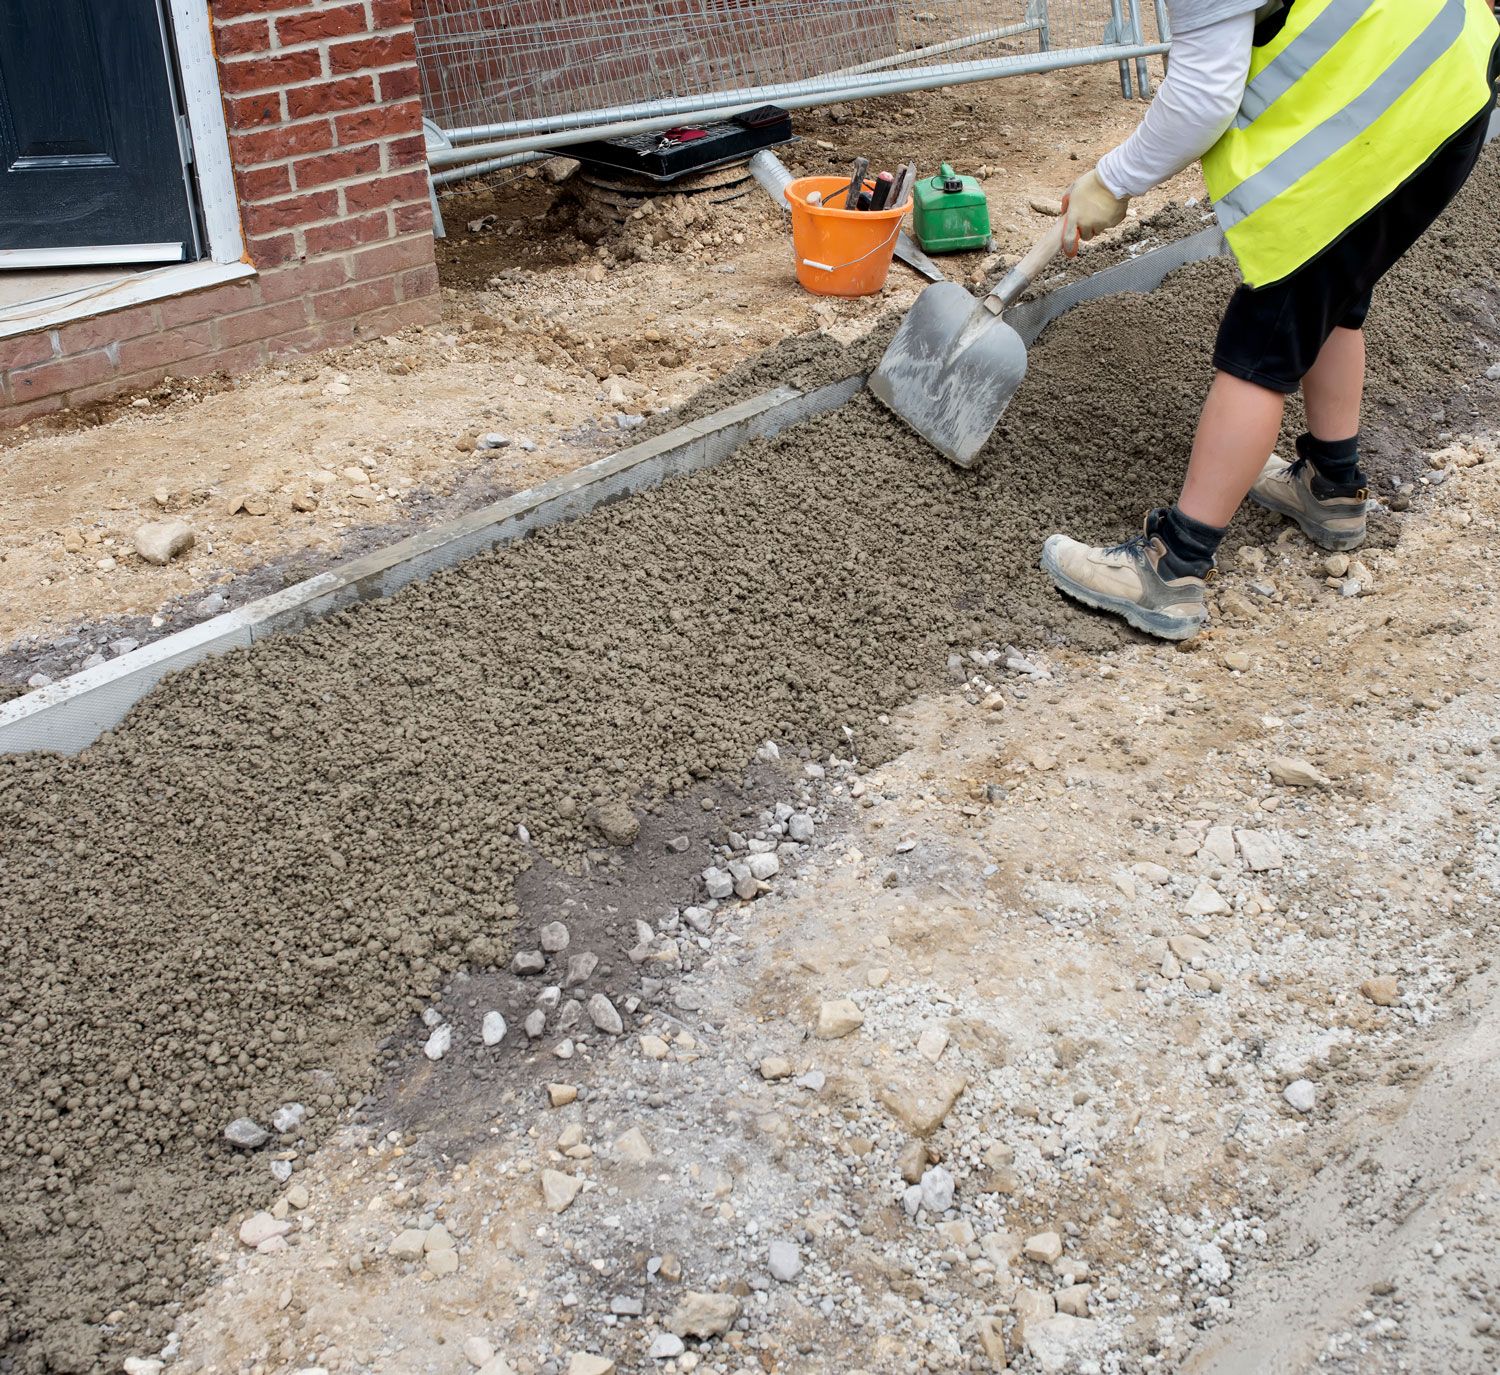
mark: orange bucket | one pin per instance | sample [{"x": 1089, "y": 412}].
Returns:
[{"x": 840, "y": 252}]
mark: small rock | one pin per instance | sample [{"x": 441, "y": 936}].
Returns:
[
  {"x": 1074, "y": 1300},
  {"x": 554, "y": 937},
  {"x": 615, "y": 822},
  {"x": 775, "y": 1067},
  {"x": 1046, "y": 205},
  {"x": 408, "y": 1245},
  {"x": 560, "y": 1095},
  {"x": 1237, "y": 660},
  {"x": 586, "y": 1363},
  {"x": 1053, "y": 1341},
  {"x": 1382, "y": 990},
  {"x": 654, "y": 1048},
  {"x": 245, "y": 1134},
  {"x": 288, "y": 1117},
  {"x": 799, "y": 827},
  {"x": 937, "y": 1190},
  {"x": 838, "y": 1018},
  {"x": 443, "y": 1262},
  {"x": 719, "y": 882},
  {"x": 143, "y": 1365},
  {"x": 535, "y": 1023},
  {"x": 1336, "y": 565},
  {"x": 581, "y": 968},
  {"x": 633, "y": 1148},
  {"x": 923, "y": 1105},
  {"x": 932, "y": 1043},
  {"x": 528, "y": 962},
  {"x": 492, "y": 1029},
  {"x": 559, "y": 1189},
  {"x": 477, "y": 1350},
  {"x": 703, "y": 1315},
  {"x": 763, "y": 866},
  {"x": 439, "y": 1043},
  {"x": 603, "y": 1015},
  {"x": 1045, "y": 1247},
  {"x": 912, "y": 1162},
  {"x": 161, "y": 541},
  {"x": 784, "y": 1261},
  {"x": 1158, "y": 874},
  {"x": 297, "y": 1197},
  {"x": 1259, "y": 850},
  {"x": 1206, "y": 901},
  {"x": 666, "y": 1347},
  {"x": 1297, "y": 773},
  {"x": 813, "y": 1081},
  {"x": 1301, "y": 1094},
  {"x": 259, "y": 1227}
]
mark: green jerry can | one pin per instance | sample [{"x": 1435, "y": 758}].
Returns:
[{"x": 950, "y": 213}]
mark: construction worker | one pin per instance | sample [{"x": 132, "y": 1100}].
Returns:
[{"x": 1332, "y": 133}]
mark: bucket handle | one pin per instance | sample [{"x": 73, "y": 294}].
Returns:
[{"x": 827, "y": 267}]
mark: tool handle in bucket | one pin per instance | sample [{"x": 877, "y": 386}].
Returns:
[{"x": 1019, "y": 277}]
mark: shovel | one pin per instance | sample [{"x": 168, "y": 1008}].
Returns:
[{"x": 954, "y": 364}]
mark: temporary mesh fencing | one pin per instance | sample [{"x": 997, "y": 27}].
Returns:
[{"x": 508, "y": 77}]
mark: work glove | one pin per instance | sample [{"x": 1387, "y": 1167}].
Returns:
[{"x": 1089, "y": 208}]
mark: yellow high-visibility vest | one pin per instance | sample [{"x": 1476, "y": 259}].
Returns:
[{"x": 1344, "y": 103}]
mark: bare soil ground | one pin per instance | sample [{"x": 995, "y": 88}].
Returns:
[{"x": 552, "y": 337}]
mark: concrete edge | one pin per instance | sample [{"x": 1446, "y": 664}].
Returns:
[{"x": 69, "y": 715}]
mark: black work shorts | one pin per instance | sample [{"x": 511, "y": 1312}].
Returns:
[{"x": 1272, "y": 335}]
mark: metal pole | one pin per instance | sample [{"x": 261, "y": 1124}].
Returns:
[
  {"x": 794, "y": 96},
  {"x": 478, "y": 169},
  {"x": 1142, "y": 75},
  {"x": 938, "y": 49}
]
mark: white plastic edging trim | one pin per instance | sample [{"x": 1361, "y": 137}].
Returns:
[
  {"x": 70, "y": 715},
  {"x": 199, "y": 73}
]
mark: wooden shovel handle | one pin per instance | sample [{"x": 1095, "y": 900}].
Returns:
[{"x": 1019, "y": 277}]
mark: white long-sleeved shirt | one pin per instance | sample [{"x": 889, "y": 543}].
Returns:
[{"x": 1197, "y": 100}]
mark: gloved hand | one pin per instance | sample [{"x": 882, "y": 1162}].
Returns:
[{"x": 1089, "y": 208}]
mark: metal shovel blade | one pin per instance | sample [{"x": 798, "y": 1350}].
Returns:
[{"x": 951, "y": 370}]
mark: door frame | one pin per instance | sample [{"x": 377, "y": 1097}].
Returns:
[{"x": 196, "y": 73}]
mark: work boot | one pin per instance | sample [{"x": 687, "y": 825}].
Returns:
[
  {"x": 1140, "y": 580},
  {"x": 1331, "y": 516}
]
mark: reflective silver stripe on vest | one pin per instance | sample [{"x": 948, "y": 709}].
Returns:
[
  {"x": 1299, "y": 57},
  {"x": 1338, "y": 130}
]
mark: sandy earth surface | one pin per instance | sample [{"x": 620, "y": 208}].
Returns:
[
  {"x": 548, "y": 338},
  {"x": 1112, "y": 1007}
]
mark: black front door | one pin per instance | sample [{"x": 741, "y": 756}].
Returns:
[{"x": 89, "y": 150}]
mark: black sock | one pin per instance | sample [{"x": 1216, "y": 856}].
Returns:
[
  {"x": 1191, "y": 545},
  {"x": 1335, "y": 464}
]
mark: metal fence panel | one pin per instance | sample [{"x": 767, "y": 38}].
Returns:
[{"x": 527, "y": 71}]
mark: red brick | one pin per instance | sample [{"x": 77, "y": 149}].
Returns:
[
  {"x": 264, "y": 183},
  {"x": 289, "y": 141},
  {"x": 331, "y": 21},
  {"x": 406, "y": 152},
  {"x": 427, "y": 311},
  {"x": 116, "y": 386},
  {"x": 361, "y": 54},
  {"x": 234, "y": 9},
  {"x": 273, "y": 250},
  {"x": 232, "y": 362},
  {"x": 355, "y": 300},
  {"x": 388, "y": 121},
  {"x": 261, "y": 323},
  {"x": 328, "y": 96},
  {"x": 347, "y": 233},
  {"x": 253, "y": 111},
  {"x": 268, "y": 73},
  {"x": 250, "y": 36},
  {"x": 317, "y": 275},
  {"x": 289, "y": 213},
  {"x": 204, "y": 305},
  {"x": 99, "y": 330},
  {"x": 167, "y": 346},
  {"x": 388, "y": 190},
  {"x": 415, "y": 218},
  {"x": 392, "y": 257},
  {"x": 389, "y": 14},
  {"x": 337, "y": 166},
  {"x": 333, "y": 334},
  {"x": 399, "y": 83},
  {"x": 20, "y": 412},
  {"x": 419, "y": 282},
  {"x": 25, "y": 349},
  {"x": 63, "y": 374}
]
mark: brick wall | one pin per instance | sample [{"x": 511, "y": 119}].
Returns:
[
  {"x": 325, "y": 133},
  {"x": 484, "y": 61}
]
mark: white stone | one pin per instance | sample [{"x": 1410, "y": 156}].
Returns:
[
  {"x": 603, "y": 1015},
  {"x": 559, "y": 1190},
  {"x": 161, "y": 541},
  {"x": 633, "y": 1147},
  {"x": 1206, "y": 901},
  {"x": 1301, "y": 1094},
  {"x": 258, "y": 1227},
  {"x": 143, "y": 1365},
  {"x": 932, "y": 1043},
  {"x": 764, "y": 866},
  {"x": 586, "y": 1363},
  {"x": 478, "y": 1351},
  {"x": 1219, "y": 844},
  {"x": 288, "y": 1117},
  {"x": 799, "y": 827},
  {"x": 784, "y": 1261},
  {"x": 1044, "y": 1246},
  {"x": 1298, "y": 773},
  {"x": 554, "y": 937},
  {"x": 492, "y": 1029},
  {"x": 718, "y": 882},
  {"x": 937, "y": 1190},
  {"x": 246, "y": 1134},
  {"x": 1260, "y": 851},
  {"x": 408, "y": 1245},
  {"x": 439, "y": 1042},
  {"x": 1052, "y": 1341},
  {"x": 666, "y": 1347}
]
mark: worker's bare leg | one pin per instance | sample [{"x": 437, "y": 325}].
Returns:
[
  {"x": 1335, "y": 385},
  {"x": 1236, "y": 431}
]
